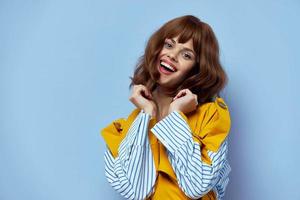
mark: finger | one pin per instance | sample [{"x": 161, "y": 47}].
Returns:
[
  {"x": 196, "y": 96},
  {"x": 188, "y": 91},
  {"x": 180, "y": 94},
  {"x": 148, "y": 94},
  {"x": 196, "y": 99},
  {"x": 138, "y": 90},
  {"x": 145, "y": 92}
]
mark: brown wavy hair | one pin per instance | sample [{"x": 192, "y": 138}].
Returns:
[{"x": 207, "y": 77}]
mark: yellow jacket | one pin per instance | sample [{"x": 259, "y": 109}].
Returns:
[{"x": 210, "y": 125}]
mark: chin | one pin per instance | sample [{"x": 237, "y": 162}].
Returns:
[{"x": 165, "y": 84}]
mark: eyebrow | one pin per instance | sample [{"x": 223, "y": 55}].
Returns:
[{"x": 185, "y": 48}]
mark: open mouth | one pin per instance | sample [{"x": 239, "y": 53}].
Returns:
[{"x": 166, "y": 68}]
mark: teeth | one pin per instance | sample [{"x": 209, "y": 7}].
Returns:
[{"x": 167, "y": 66}]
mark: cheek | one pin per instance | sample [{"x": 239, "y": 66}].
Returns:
[
  {"x": 187, "y": 65},
  {"x": 162, "y": 52}
]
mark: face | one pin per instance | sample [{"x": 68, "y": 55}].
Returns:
[{"x": 175, "y": 60}]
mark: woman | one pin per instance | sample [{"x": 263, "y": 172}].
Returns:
[{"x": 174, "y": 144}]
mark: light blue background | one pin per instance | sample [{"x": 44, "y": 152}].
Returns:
[{"x": 64, "y": 75}]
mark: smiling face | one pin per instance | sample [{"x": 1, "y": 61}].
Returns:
[{"x": 175, "y": 60}]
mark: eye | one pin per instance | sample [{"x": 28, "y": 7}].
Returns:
[
  {"x": 186, "y": 55},
  {"x": 168, "y": 45}
]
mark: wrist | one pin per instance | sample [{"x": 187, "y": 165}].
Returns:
[
  {"x": 150, "y": 111},
  {"x": 171, "y": 109}
]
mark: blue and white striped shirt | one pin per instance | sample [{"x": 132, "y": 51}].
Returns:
[{"x": 132, "y": 173}]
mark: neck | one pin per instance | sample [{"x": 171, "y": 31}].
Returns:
[
  {"x": 162, "y": 92},
  {"x": 162, "y": 99}
]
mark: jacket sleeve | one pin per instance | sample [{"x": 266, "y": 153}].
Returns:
[
  {"x": 130, "y": 169},
  {"x": 198, "y": 157}
]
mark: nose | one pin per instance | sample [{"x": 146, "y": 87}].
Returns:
[{"x": 172, "y": 57}]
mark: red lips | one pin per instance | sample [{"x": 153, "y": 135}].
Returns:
[{"x": 170, "y": 63}]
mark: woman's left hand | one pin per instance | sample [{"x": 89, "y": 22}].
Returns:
[{"x": 185, "y": 101}]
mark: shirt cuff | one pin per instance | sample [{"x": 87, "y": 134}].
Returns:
[
  {"x": 173, "y": 131},
  {"x": 142, "y": 127}
]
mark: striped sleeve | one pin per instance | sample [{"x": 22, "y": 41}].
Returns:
[
  {"x": 132, "y": 173},
  {"x": 195, "y": 177}
]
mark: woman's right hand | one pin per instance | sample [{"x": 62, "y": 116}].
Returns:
[{"x": 142, "y": 98}]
